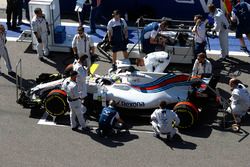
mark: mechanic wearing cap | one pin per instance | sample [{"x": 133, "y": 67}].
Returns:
[
  {"x": 199, "y": 31},
  {"x": 118, "y": 36},
  {"x": 149, "y": 39},
  {"x": 201, "y": 65},
  {"x": 74, "y": 100},
  {"x": 241, "y": 16},
  {"x": 220, "y": 25},
  {"x": 82, "y": 44},
  {"x": 162, "y": 121},
  {"x": 108, "y": 118},
  {"x": 4, "y": 51},
  {"x": 240, "y": 99},
  {"x": 79, "y": 67},
  {"x": 41, "y": 30},
  {"x": 155, "y": 62}
]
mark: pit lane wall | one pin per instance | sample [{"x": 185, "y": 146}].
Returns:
[{"x": 175, "y": 9}]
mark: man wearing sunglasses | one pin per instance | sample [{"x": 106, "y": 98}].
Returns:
[{"x": 82, "y": 44}]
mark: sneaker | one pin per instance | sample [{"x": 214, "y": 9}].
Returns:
[
  {"x": 75, "y": 128},
  {"x": 156, "y": 135},
  {"x": 114, "y": 67},
  {"x": 86, "y": 129},
  {"x": 11, "y": 73},
  {"x": 244, "y": 49},
  {"x": 41, "y": 58}
]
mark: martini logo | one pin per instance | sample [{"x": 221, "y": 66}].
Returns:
[{"x": 131, "y": 105}]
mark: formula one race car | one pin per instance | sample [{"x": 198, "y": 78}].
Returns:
[{"x": 133, "y": 90}]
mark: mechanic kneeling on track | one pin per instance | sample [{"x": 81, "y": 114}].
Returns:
[
  {"x": 163, "y": 121},
  {"x": 240, "y": 99},
  {"x": 108, "y": 119},
  {"x": 74, "y": 100}
]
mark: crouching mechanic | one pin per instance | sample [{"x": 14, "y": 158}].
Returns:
[
  {"x": 163, "y": 121},
  {"x": 108, "y": 119},
  {"x": 155, "y": 62},
  {"x": 149, "y": 39},
  {"x": 41, "y": 30},
  {"x": 240, "y": 100},
  {"x": 73, "y": 97}
]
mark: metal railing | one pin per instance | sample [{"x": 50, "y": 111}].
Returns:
[{"x": 19, "y": 78}]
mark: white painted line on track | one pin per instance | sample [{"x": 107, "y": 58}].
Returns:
[{"x": 43, "y": 121}]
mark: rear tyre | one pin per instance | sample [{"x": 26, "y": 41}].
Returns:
[
  {"x": 188, "y": 114},
  {"x": 56, "y": 103}
]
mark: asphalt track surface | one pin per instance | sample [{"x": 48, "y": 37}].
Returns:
[{"x": 24, "y": 142}]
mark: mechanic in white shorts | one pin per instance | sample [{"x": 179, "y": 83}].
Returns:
[
  {"x": 156, "y": 61},
  {"x": 41, "y": 30},
  {"x": 82, "y": 44},
  {"x": 163, "y": 120},
  {"x": 74, "y": 100}
]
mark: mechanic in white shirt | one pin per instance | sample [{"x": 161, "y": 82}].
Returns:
[
  {"x": 163, "y": 120},
  {"x": 74, "y": 100},
  {"x": 79, "y": 67},
  {"x": 240, "y": 99},
  {"x": 82, "y": 44},
  {"x": 199, "y": 31},
  {"x": 40, "y": 28},
  {"x": 220, "y": 25},
  {"x": 156, "y": 61},
  {"x": 4, "y": 51},
  {"x": 201, "y": 65}
]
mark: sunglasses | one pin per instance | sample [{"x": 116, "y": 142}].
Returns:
[{"x": 80, "y": 32}]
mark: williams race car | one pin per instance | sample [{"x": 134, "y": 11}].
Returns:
[{"x": 133, "y": 90}]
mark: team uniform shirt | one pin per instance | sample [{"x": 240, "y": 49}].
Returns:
[
  {"x": 83, "y": 46},
  {"x": 243, "y": 13},
  {"x": 39, "y": 25},
  {"x": 200, "y": 33},
  {"x": 151, "y": 30},
  {"x": 164, "y": 120},
  {"x": 199, "y": 68},
  {"x": 108, "y": 115},
  {"x": 240, "y": 100},
  {"x": 220, "y": 21},
  {"x": 71, "y": 88},
  {"x": 114, "y": 23},
  {"x": 81, "y": 78}
]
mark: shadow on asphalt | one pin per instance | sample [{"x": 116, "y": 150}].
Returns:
[
  {"x": 26, "y": 83},
  {"x": 179, "y": 143},
  {"x": 201, "y": 131},
  {"x": 117, "y": 140}
]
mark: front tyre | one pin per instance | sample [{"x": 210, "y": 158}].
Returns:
[
  {"x": 56, "y": 103},
  {"x": 188, "y": 114}
]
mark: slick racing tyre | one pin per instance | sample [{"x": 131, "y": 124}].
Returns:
[
  {"x": 56, "y": 103},
  {"x": 188, "y": 114}
]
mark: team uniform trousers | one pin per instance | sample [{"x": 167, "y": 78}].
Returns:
[
  {"x": 156, "y": 61},
  {"x": 4, "y": 52}
]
